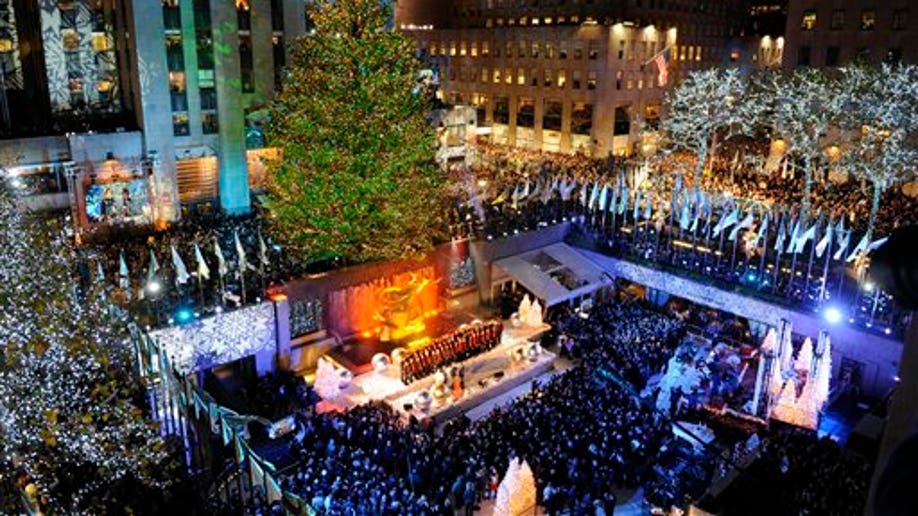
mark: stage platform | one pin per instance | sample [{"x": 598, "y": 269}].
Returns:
[
  {"x": 357, "y": 350},
  {"x": 487, "y": 375}
]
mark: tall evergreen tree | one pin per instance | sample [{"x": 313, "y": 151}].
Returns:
[{"x": 357, "y": 177}]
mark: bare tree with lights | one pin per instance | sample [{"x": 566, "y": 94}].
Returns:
[
  {"x": 881, "y": 121},
  {"x": 805, "y": 106},
  {"x": 69, "y": 427},
  {"x": 708, "y": 105}
]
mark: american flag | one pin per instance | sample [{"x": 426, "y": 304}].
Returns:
[{"x": 662, "y": 62}]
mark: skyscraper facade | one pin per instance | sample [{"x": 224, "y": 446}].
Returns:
[
  {"x": 571, "y": 76},
  {"x": 103, "y": 92}
]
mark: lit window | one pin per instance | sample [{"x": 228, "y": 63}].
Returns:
[
  {"x": 698, "y": 53},
  {"x": 575, "y": 79},
  {"x": 462, "y": 48},
  {"x": 868, "y": 19},
  {"x": 521, "y": 77},
  {"x": 485, "y": 49},
  {"x": 508, "y": 76},
  {"x": 562, "y": 78},
  {"x": 547, "y": 81},
  {"x": 452, "y": 48},
  {"x": 484, "y": 75},
  {"x": 809, "y": 19},
  {"x": 591, "y": 81},
  {"x": 474, "y": 49},
  {"x": 496, "y": 76}
]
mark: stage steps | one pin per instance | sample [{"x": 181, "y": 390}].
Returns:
[{"x": 306, "y": 350}]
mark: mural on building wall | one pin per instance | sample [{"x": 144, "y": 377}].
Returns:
[
  {"x": 219, "y": 339},
  {"x": 79, "y": 51}
]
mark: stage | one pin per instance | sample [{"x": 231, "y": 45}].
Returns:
[{"x": 487, "y": 375}]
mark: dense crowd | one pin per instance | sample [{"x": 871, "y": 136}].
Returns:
[
  {"x": 799, "y": 473},
  {"x": 267, "y": 265},
  {"x": 583, "y": 435},
  {"x": 527, "y": 190}
]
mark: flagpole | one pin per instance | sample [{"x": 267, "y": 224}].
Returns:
[
  {"x": 764, "y": 246},
  {"x": 825, "y": 272},
  {"x": 809, "y": 267}
]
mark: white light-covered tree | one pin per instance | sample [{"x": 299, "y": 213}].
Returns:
[
  {"x": 805, "y": 107},
  {"x": 881, "y": 121},
  {"x": 805, "y": 356},
  {"x": 707, "y": 105},
  {"x": 67, "y": 421}
]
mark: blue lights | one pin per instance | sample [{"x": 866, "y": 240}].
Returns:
[
  {"x": 184, "y": 315},
  {"x": 832, "y": 315}
]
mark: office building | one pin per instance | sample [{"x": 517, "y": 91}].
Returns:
[
  {"x": 837, "y": 32},
  {"x": 577, "y": 76},
  {"x": 160, "y": 100}
]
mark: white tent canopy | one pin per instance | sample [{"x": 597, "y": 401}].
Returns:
[{"x": 555, "y": 274}]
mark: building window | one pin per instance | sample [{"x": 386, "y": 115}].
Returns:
[
  {"x": 484, "y": 75},
  {"x": 900, "y": 16},
  {"x": 485, "y": 49},
  {"x": 501, "y": 110},
  {"x": 246, "y": 64},
  {"x": 809, "y": 19},
  {"x": 496, "y": 76},
  {"x": 547, "y": 79},
  {"x": 533, "y": 77},
  {"x": 463, "y": 49},
  {"x": 474, "y": 49},
  {"x": 549, "y": 50},
  {"x": 575, "y": 79},
  {"x": 591, "y": 80},
  {"x": 180, "y": 125},
  {"x": 622, "y": 124},
  {"x": 618, "y": 79},
  {"x": 277, "y": 15},
  {"x": 838, "y": 19},
  {"x": 525, "y": 112},
  {"x": 832, "y": 54},
  {"x": 508, "y": 76},
  {"x": 578, "y": 51},
  {"x": 803, "y": 56},
  {"x": 551, "y": 116},
  {"x": 243, "y": 16},
  {"x": 562, "y": 50},
  {"x": 521, "y": 49},
  {"x": 209, "y": 123},
  {"x": 698, "y": 53},
  {"x": 594, "y": 51},
  {"x": 279, "y": 56},
  {"x": 868, "y": 19},
  {"x": 562, "y": 78},
  {"x": 521, "y": 77},
  {"x": 535, "y": 49},
  {"x": 582, "y": 118},
  {"x": 172, "y": 19}
]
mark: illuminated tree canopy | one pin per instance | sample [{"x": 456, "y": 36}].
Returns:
[
  {"x": 357, "y": 178},
  {"x": 69, "y": 418}
]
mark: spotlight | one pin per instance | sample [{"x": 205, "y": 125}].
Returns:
[
  {"x": 184, "y": 315},
  {"x": 832, "y": 315},
  {"x": 887, "y": 331},
  {"x": 154, "y": 286},
  {"x": 869, "y": 286}
]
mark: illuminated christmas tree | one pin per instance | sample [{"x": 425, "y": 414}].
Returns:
[
  {"x": 357, "y": 178},
  {"x": 68, "y": 426}
]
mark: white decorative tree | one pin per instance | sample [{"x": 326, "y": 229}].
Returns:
[
  {"x": 706, "y": 103},
  {"x": 67, "y": 416},
  {"x": 806, "y": 104},
  {"x": 805, "y": 357},
  {"x": 823, "y": 376},
  {"x": 516, "y": 493},
  {"x": 881, "y": 121}
]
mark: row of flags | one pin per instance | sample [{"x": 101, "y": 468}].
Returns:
[
  {"x": 202, "y": 269},
  {"x": 690, "y": 206}
]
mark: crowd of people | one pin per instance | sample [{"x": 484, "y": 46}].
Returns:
[
  {"x": 456, "y": 346},
  {"x": 669, "y": 224},
  {"x": 799, "y": 473},
  {"x": 226, "y": 283},
  {"x": 584, "y": 436}
]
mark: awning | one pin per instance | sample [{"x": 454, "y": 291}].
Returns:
[{"x": 554, "y": 274}]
